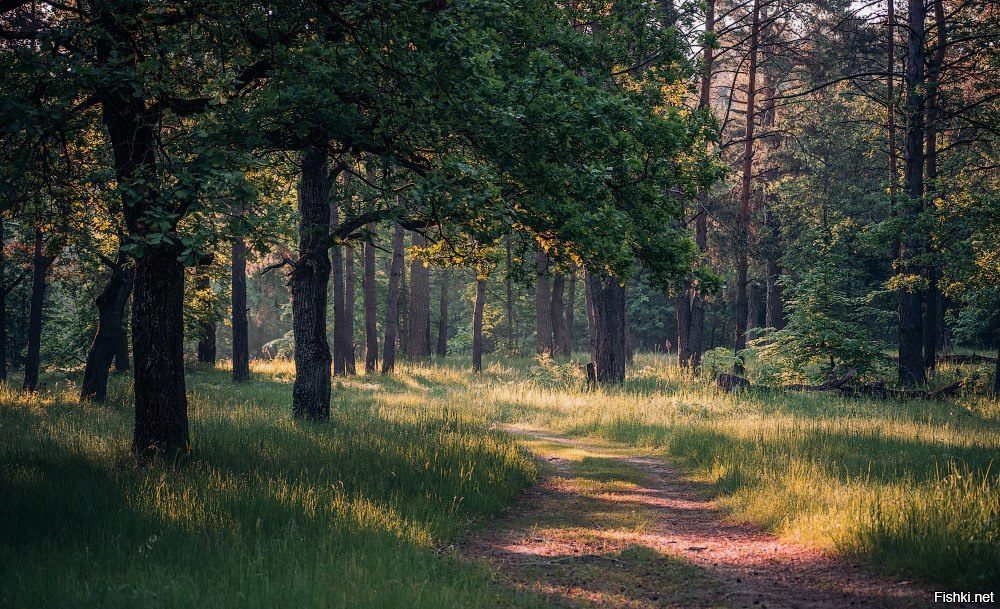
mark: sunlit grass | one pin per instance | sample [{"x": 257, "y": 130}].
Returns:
[{"x": 351, "y": 513}]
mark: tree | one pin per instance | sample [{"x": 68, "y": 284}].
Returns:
[
  {"x": 110, "y": 312},
  {"x": 543, "y": 305},
  {"x": 442, "y": 338},
  {"x": 369, "y": 298},
  {"x": 477, "y": 325},
  {"x": 418, "y": 343},
  {"x": 241, "y": 330},
  {"x": 40, "y": 263},
  {"x": 607, "y": 306},
  {"x": 392, "y": 302},
  {"x": 309, "y": 279}
]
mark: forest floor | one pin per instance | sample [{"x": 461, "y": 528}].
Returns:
[{"x": 608, "y": 526}]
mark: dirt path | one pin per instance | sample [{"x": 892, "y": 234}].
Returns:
[{"x": 605, "y": 528}]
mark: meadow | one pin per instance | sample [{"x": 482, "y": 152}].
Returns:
[{"x": 364, "y": 510}]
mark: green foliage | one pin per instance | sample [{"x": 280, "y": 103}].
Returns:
[{"x": 825, "y": 328}]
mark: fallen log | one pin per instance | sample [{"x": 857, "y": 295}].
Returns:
[
  {"x": 732, "y": 384},
  {"x": 955, "y": 358}
]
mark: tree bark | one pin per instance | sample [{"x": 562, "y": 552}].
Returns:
[
  {"x": 158, "y": 345},
  {"x": 350, "y": 362},
  {"x": 753, "y": 308},
  {"x": 418, "y": 342},
  {"x": 509, "y": 284},
  {"x": 570, "y": 309},
  {"x": 241, "y": 327},
  {"x": 690, "y": 305},
  {"x": 392, "y": 303},
  {"x": 743, "y": 224},
  {"x": 591, "y": 318},
  {"x": 932, "y": 306},
  {"x": 309, "y": 281},
  {"x": 369, "y": 297},
  {"x": 4, "y": 290},
  {"x": 39, "y": 267},
  {"x": 122, "y": 362},
  {"x": 337, "y": 273},
  {"x": 911, "y": 365},
  {"x": 607, "y": 298},
  {"x": 557, "y": 313},
  {"x": 477, "y": 325},
  {"x": 110, "y": 310},
  {"x": 442, "y": 342},
  {"x": 543, "y": 304}
]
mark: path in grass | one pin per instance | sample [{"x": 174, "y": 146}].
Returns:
[{"x": 608, "y": 528}]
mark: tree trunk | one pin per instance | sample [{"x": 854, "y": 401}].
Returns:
[
  {"x": 392, "y": 303},
  {"x": 110, "y": 309},
  {"x": 933, "y": 305},
  {"x": 369, "y": 297},
  {"x": 339, "y": 317},
  {"x": 309, "y": 281},
  {"x": 477, "y": 325},
  {"x": 207, "y": 343},
  {"x": 911, "y": 365},
  {"x": 442, "y": 343},
  {"x": 4, "y": 290},
  {"x": 122, "y": 363},
  {"x": 557, "y": 313},
  {"x": 241, "y": 327},
  {"x": 350, "y": 363},
  {"x": 543, "y": 305},
  {"x": 743, "y": 223},
  {"x": 608, "y": 305},
  {"x": 419, "y": 339},
  {"x": 996, "y": 373},
  {"x": 591, "y": 317},
  {"x": 509, "y": 284},
  {"x": 690, "y": 305},
  {"x": 570, "y": 308},
  {"x": 161, "y": 421},
  {"x": 753, "y": 308},
  {"x": 774, "y": 314},
  {"x": 39, "y": 266}
]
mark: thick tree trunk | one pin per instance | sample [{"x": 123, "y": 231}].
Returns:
[
  {"x": 743, "y": 223},
  {"x": 39, "y": 266},
  {"x": 339, "y": 316},
  {"x": 418, "y": 342},
  {"x": 557, "y": 313},
  {"x": 369, "y": 297},
  {"x": 350, "y": 362},
  {"x": 570, "y": 309},
  {"x": 477, "y": 326},
  {"x": 161, "y": 421},
  {"x": 442, "y": 342},
  {"x": 911, "y": 365},
  {"x": 543, "y": 304},
  {"x": 309, "y": 281},
  {"x": 607, "y": 297},
  {"x": 241, "y": 327},
  {"x": 110, "y": 309},
  {"x": 392, "y": 302}
]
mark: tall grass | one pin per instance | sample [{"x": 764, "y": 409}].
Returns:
[
  {"x": 268, "y": 513},
  {"x": 354, "y": 513}
]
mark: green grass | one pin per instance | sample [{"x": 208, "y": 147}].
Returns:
[
  {"x": 356, "y": 512},
  {"x": 268, "y": 513}
]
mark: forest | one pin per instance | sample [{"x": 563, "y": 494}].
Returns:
[{"x": 460, "y": 303}]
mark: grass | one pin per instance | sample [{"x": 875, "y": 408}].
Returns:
[
  {"x": 269, "y": 513},
  {"x": 356, "y": 512}
]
